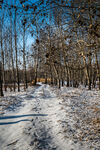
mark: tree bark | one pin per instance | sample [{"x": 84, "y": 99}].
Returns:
[
  {"x": 1, "y": 81},
  {"x": 16, "y": 51}
]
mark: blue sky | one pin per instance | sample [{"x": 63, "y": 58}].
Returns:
[{"x": 8, "y": 3}]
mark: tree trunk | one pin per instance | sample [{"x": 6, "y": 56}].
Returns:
[
  {"x": 1, "y": 83},
  {"x": 12, "y": 61},
  {"x": 24, "y": 60},
  {"x": 17, "y": 71}
]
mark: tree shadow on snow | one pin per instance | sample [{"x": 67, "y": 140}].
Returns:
[
  {"x": 14, "y": 122},
  {"x": 18, "y": 116}
]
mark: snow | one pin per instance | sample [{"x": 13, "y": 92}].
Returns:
[{"x": 48, "y": 118}]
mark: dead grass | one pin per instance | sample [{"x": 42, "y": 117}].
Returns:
[{"x": 96, "y": 121}]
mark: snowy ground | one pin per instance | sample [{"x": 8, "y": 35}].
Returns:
[{"x": 45, "y": 118}]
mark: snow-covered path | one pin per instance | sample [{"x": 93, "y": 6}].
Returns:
[
  {"x": 44, "y": 120},
  {"x": 27, "y": 128},
  {"x": 35, "y": 124}
]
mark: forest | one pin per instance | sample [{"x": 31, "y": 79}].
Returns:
[{"x": 64, "y": 47}]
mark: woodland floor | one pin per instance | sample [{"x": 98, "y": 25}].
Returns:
[{"x": 47, "y": 118}]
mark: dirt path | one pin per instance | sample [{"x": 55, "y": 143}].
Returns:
[{"x": 27, "y": 127}]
